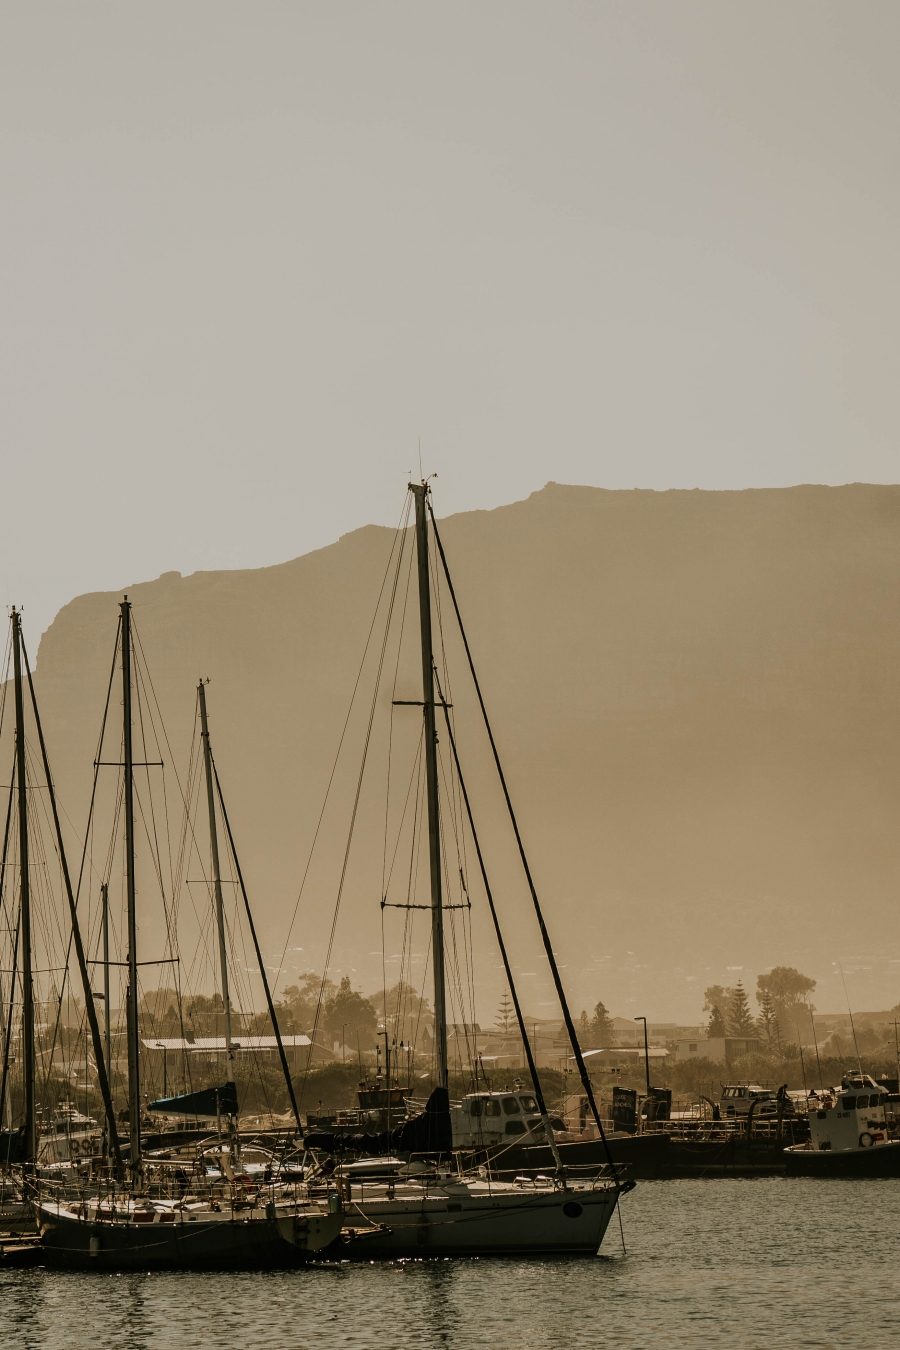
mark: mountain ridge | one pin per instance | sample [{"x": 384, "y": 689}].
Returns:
[{"x": 695, "y": 694}]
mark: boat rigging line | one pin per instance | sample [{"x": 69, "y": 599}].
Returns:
[
  {"x": 90, "y": 1005},
  {"x": 259, "y": 956},
  {"x": 526, "y": 1043},
  {"x": 548, "y": 947}
]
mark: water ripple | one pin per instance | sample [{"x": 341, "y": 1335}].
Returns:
[{"x": 758, "y": 1265}]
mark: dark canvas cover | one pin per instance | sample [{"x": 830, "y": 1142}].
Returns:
[{"x": 430, "y": 1132}]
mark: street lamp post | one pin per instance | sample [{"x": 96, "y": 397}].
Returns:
[
  {"x": 646, "y": 1052},
  {"x": 165, "y": 1050},
  {"x": 387, "y": 1072}
]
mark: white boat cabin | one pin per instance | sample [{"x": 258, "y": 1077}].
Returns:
[
  {"x": 482, "y": 1119},
  {"x": 69, "y": 1137},
  {"x": 849, "y": 1118}
]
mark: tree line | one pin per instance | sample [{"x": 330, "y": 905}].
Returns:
[{"x": 783, "y": 998}]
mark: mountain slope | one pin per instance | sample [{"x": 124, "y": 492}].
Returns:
[{"x": 695, "y": 693}]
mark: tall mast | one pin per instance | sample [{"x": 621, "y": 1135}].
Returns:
[
  {"x": 131, "y": 996},
  {"x": 6, "y": 1030},
  {"x": 217, "y": 880},
  {"x": 28, "y": 1052},
  {"x": 107, "y": 1024},
  {"x": 420, "y": 492}
]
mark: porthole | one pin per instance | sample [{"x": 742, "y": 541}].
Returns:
[{"x": 572, "y": 1209}]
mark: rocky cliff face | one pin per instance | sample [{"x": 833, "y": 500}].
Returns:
[{"x": 696, "y": 695}]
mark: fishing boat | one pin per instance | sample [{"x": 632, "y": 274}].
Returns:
[
  {"x": 848, "y": 1133},
  {"x": 435, "y": 1209}
]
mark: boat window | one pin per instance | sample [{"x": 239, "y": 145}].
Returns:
[
  {"x": 515, "y": 1127},
  {"x": 875, "y": 1099},
  {"x": 848, "y": 1104},
  {"x": 491, "y": 1108},
  {"x": 529, "y": 1104},
  {"x": 511, "y": 1106},
  {"x": 475, "y": 1106}
]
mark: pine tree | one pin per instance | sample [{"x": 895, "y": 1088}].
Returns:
[
  {"x": 767, "y": 1022},
  {"x": 740, "y": 1020},
  {"x": 601, "y": 1026},
  {"x": 584, "y": 1028},
  {"x": 503, "y": 1020},
  {"x": 716, "y": 1028}
]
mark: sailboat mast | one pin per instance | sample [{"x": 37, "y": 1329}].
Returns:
[
  {"x": 134, "y": 1068},
  {"x": 28, "y": 1052},
  {"x": 420, "y": 493},
  {"x": 107, "y": 1024},
  {"x": 217, "y": 880},
  {"x": 7, "y": 1033}
]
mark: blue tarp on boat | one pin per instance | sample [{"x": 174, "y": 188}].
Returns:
[
  {"x": 431, "y": 1132},
  {"x": 210, "y": 1102}
]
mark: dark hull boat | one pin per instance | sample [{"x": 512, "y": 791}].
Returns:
[
  {"x": 882, "y": 1161},
  {"x": 139, "y": 1217},
  {"x": 160, "y": 1238}
]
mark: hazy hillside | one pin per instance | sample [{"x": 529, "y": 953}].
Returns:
[{"x": 697, "y": 695}]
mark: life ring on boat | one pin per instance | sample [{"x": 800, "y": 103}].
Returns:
[{"x": 866, "y": 1140}]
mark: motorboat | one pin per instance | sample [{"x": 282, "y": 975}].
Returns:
[{"x": 848, "y": 1133}]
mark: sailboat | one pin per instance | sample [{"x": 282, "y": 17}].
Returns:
[
  {"x": 426, "y": 1207},
  {"x": 138, "y": 1218}
]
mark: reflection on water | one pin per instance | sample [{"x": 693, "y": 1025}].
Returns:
[{"x": 751, "y": 1264}]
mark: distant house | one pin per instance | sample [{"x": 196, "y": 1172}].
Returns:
[
  {"x": 720, "y": 1049},
  {"x": 297, "y": 1048}
]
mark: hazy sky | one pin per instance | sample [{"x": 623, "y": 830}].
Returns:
[{"x": 250, "y": 252}]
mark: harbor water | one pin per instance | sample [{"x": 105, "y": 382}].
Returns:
[{"x": 752, "y": 1263}]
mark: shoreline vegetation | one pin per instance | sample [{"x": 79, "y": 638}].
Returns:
[{"x": 344, "y": 1026}]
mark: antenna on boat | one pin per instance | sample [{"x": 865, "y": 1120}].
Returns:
[
  {"x": 816, "y": 1044},
  {"x": 850, "y": 1011},
  {"x": 420, "y": 494},
  {"x": 217, "y": 882}
]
